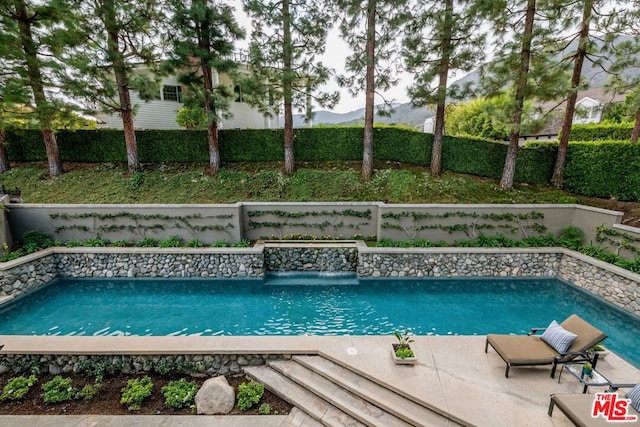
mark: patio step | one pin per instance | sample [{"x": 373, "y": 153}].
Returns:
[
  {"x": 316, "y": 407},
  {"x": 359, "y": 408},
  {"x": 407, "y": 410},
  {"x": 299, "y": 418}
]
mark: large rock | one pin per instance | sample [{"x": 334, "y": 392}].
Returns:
[{"x": 215, "y": 396}]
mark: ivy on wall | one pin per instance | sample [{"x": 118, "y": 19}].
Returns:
[
  {"x": 618, "y": 240},
  {"x": 509, "y": 222},
  {"x": 334, "y": 221},
  {"x": 142, "y": 223}
]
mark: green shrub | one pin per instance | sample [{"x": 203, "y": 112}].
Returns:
[
  {"x": 136, "y": 390},
  {"x": 180, "y": 394},
  {"x": 93, "y": 367},
  {"x": 264, "y": 409},
  {"x": 58, "y": 390},
  {"x": 604, "y": 169},
  {"x": 194, "y": 243},
  {"x": 89, "y": 391},
  {"x": 17, "y": 387},
  {"x": 34, "y": 241},
  {"x": 171, "y": 242},
  {"x": 137, "y": 179},
  {"x": 249, "y": 394},
  {"x": 601, "y": 132},
  {"x": 147, "y": 242}
]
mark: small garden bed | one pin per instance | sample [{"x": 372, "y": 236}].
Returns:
[{"x": 107, "y": 399}]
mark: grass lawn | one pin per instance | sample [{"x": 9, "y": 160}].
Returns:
[{"x": 189, "y": 183}]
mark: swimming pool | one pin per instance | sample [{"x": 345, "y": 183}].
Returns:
[{"x": 335, "y": 305}]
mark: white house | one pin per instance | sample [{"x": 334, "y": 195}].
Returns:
[
  {"x": 161, "y": 113},
  {"x": 588, "y": 110}
]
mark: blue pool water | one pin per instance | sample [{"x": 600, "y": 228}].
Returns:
[{"x": 339, "y": 305}]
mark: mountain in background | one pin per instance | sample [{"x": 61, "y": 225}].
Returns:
[
  {"x": 415, "y": 117},
  {"x": 403, "y": 114}
]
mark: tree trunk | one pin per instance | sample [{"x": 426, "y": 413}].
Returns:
[
  {"x": 4, "y": 157},
  {"x": 558, "y": 171},
  {"x": 636, "y": 129},
  {"x": 370, "y": 50},
  {"x": 120, "y": 71},
  {"x": 212, "y": 121},
  {"x": 509, "y": 171},
  {"x": 438, "y": 131},
  {"x": 43, "y": 109},
  {"x": 287, "y": 90},
  {"x": 214, "y": 150}
]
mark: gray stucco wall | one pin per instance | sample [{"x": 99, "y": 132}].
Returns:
[
  {"x": 345, "y": 220},
  {"x": 207, "y": 223}
]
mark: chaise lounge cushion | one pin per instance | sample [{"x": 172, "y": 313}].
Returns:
[
  {"x": 522, "y": 350},
  {"x": 529, "y": 350},
  {"x": 558, "y": 337},
  {"x": 578, "y": 407}
]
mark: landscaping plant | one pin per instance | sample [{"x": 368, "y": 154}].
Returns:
[
  {"x": 58, "y": 390},
  {"x": 135, "y": 392},
  {"x": 249, "y": 394},
  {"x": 180, "y": 394},
  {"x": 17, "y": 387}
]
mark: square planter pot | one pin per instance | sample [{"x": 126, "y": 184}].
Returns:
[{"x": 399, "y": 361}]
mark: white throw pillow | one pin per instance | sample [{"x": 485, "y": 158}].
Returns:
[{"x": 558, "y": 337}]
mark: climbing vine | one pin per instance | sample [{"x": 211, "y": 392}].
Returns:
[
  {"x": 143, "y": 223},
  {"x": 334, "y": 221},
  {"x": 511, "y": 222},
  {"x": 618, "y": 240}
]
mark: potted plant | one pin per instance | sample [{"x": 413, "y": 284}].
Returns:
[
  {"x": 587, "y": 370},
  {"x": 600, "y": 350},
  {"x": 401, "y": 351}
]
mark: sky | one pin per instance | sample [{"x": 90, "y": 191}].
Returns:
[{"x": 336, "y": 52}]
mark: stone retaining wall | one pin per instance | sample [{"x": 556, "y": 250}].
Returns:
[
  {"x": 310, "y": 259},
  {"x": 197, "y": 364},
  {"x": 29, "y": 273},
  {"x": 159, "y": 265},
  {"x": 27, "y": 276},
  {"x": 615, "y": 285},
  {"x": 431, "y": 264},
  {"x": 612, "y": 284}
]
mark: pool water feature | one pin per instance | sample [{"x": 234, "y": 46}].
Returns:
[{"x": 279, "y": 306}]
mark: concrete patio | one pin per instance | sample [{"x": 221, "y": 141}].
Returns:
[{"x": 453, "y": 374}]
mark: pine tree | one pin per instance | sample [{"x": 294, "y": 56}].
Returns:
[
  {"x": 596, "y": 20},
  {"x": 372, "y": 28},
  {"x": 625, "y": 78},
  {"x": 33, "y": 33},
  {"x": 202, "y": 44},
  {"x": 526, "y": 67},
  {"x": 120, "y": 54},
  {"x": 442, "y": 37},
  {"x": 286, "y": 40}
]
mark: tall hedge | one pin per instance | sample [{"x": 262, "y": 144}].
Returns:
[
  {"x": 602, "y": 132},
  {"x": 604, "y": 169}
]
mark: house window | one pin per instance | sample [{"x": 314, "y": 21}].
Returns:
[
  {"x": 172, "y": 93},
  {"x": 238, "y": 93}
]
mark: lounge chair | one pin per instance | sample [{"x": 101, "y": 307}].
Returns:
[
  {"x": 531, "y": 349},
  {"x": 579, "y": 408}
]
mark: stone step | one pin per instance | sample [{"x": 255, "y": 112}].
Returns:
[
  {"x": 297, "y": 395},
  {"x": 299, "y": 418},
  {"x": 403, "y": 408},
  {"x": 353, "y": 405}
]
